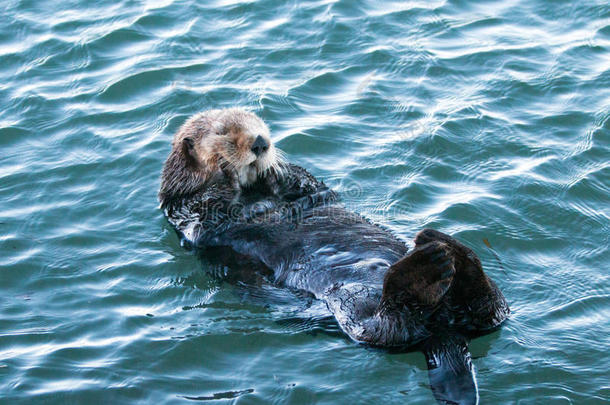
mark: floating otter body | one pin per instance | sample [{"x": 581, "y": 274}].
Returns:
[{"x": 295, "y": 228}]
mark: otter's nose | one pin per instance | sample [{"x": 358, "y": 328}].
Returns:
[{"x": 259, "y": 146}]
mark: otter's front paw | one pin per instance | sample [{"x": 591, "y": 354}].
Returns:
[{"x": 272, "y": 184}]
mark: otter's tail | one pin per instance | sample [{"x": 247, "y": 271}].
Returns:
[{"x": 450, "y": 370}]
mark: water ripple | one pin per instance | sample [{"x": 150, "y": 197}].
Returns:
[{"x": 485, "y": 120}]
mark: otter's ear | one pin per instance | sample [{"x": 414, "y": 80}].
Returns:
[{"x": 188, "y": 149}]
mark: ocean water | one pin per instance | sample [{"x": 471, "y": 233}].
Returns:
[{"x": 487, "y": 120}]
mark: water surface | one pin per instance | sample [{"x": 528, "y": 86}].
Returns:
[{"x": 487, "y": 120}]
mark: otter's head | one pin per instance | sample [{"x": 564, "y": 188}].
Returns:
[
  {"x": 239, "y": 145},
  {"x": 232, "y": 143}
]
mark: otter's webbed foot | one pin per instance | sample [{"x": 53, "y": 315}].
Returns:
[
  {"x": 483, "y": 304},
  {"x": 421, "y": 279},
  {"x": 469, "y": 272},
  {"x": 462, "y": 253}
]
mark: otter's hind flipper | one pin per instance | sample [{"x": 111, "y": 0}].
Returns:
[
  {"x": 450, "y": 370},
  {"x": 472, "y": 288},
  {"x": 420, "y": 279}
]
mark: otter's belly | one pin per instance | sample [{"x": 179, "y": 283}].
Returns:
[
  {"x": 325, "y": 248},
  {"x": 324, "y": 272}
]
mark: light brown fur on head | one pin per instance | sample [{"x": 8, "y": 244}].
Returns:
[{"x": 215, "y": 144}]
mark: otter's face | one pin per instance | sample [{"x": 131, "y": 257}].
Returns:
[
  {"x": 246, "y": 150},
  {"x": 238, "y": 144}
]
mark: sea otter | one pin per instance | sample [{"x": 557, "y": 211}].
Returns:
[{"x": 293, "y": 230}]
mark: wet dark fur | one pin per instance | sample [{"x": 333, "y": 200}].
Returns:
[
  {"x": 183, "y": 173},
  {"x": 180, "y": 177}
]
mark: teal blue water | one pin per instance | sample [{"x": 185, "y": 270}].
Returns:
[{"x": 487, "y": 120}]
